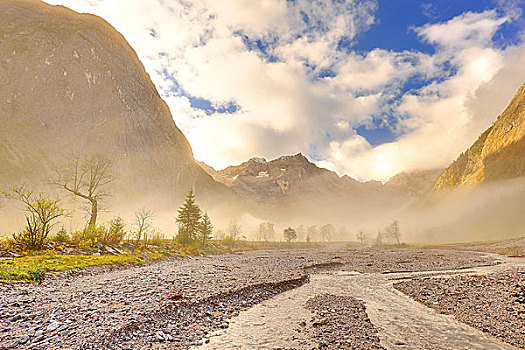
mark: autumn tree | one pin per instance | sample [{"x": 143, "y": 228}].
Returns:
[
  {"x": 87, "y": 178},
  {"x": 393, "y": 231},
  {"x": 188, "y": 220},
  {"x": 205, "y": 229},
  {"x": 289, "y": 234},
  {"x": 42, "y": 213},
  {"x": 143, "y": 225}
]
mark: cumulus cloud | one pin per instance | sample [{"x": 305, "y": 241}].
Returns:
[
  {"x": 270, "y": 57},
  {"x": 443, "y": 118}
]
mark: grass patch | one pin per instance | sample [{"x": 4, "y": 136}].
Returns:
[{"x": 35, "y": 267}]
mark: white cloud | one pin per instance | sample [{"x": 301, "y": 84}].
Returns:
[
  {"x": 468, "y": 29},
  {"x": 284, "y": 109},
  {"x": 443, "y": 118}
]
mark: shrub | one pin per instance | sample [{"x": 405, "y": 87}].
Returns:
[
  {"x": 228, "y": 241},
  {"x": 36, "y": 275},
  {"x": 115, "y": 233},
  {"x": 88, "y": 237},
  {"x": 6, "y": 243},
  {"x": 32, "y": 237},
  {"x": 157, "y": 237},
  {"x": 62, "y": 236},
  {"x": 42, "y": 213}
]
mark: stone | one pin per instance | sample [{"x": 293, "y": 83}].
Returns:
[
  {"x": 52, "y": 326},
  {"x": 23, "y": 339}
]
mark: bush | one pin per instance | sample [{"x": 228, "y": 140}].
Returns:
[
  {"x": 6, "y": 243},
  {"x": 157, "y": 237},
  {"x": 32, "y": 237},
  {"x": 62, "y": 236},
  {"x": 228, "y": 241},
  {"x": 89, "y": 237}
]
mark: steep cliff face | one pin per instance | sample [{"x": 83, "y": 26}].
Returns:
[
  {"x": 499, "y": 153},
  {"x": 70, "y": 83}
]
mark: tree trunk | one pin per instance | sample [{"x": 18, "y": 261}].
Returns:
[{"x": 94, "y": 213}]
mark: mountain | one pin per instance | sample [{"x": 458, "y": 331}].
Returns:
[
  {"x": 413, "y": 183},
  {"x": 292, "y": 187},
  {"x": 295, "y": 175},
  {"x": 286, "y": 176},
  {"x": 70, "y": 83},
  {"x": 499, "y": 153}
]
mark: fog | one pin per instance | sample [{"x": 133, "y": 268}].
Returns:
[{"x": 489, "y": 211}]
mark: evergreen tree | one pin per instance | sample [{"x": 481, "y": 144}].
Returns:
[
  {"x": 205, "y": 229},
  {"x": 188, "y": 220}
]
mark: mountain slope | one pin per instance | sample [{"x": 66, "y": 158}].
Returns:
[
  {"x": 286, "y": 176},
  {"x": 293, "y": 188},
  {"x": 296, "y": 176},
  {"x": 499, "y": 153},
  {"x": 70, "y": 83}
]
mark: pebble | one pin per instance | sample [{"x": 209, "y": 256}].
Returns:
[{"x": 52, "y": 326}]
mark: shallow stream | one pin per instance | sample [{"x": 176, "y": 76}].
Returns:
[{"x": 402, "y": 323}]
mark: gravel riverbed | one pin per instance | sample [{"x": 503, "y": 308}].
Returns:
[
  {"x": 341, "y": 323},
  {"x": 176, "y": 303},
  {"x": 494, "y": 304}
]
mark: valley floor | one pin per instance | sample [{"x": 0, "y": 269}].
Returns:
[{"x": 330, "y": 298}]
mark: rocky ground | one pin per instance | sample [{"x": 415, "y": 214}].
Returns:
[
  {"x": 493, "y": 303},
  {"x": 341, "y": 323},
  {"x": 176, "y": 303}
]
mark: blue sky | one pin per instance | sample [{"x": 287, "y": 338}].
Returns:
[
  {"x": 393, "y": 30},
  {"x": 367, "y": 88}
]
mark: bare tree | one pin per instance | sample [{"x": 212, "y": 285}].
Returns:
[
  {"x": 327, "y": 232},
  {"x": 361, "y": 237},
  {"x": 342, "y": 233},
  {"x": 301, "y": 233},
  {"x": 87, "y": 177},
  {"x": 143, "y": 224},
  {"x": 393, "y": 231},
  {"x": 312, "y": 232},
  {"x": 234, "y": 230},
  {"x": 266, "y": 231}
]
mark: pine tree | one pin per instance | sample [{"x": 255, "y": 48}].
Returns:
[
  {"x": 205, "y": 229},
  {"x": 188, "y": 220}
]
